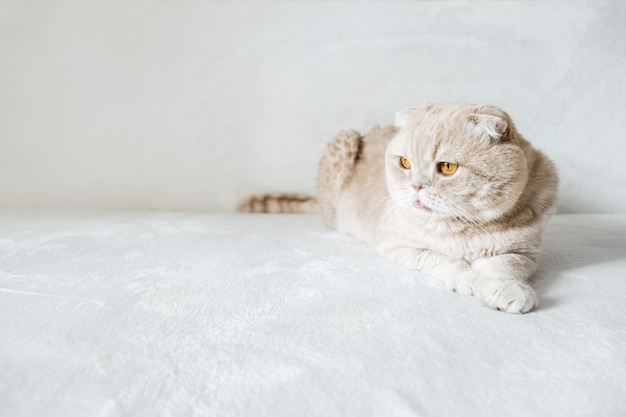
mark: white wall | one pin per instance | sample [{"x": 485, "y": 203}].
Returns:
[{"x": 186, "y": 104}]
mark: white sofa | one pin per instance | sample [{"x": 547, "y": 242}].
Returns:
[{"x": 179, "y": 314}]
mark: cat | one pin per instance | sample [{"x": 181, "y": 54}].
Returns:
[{"x": 452, "y": 190}]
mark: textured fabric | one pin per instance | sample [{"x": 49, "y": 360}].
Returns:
[{"x": 144, "y": 314}]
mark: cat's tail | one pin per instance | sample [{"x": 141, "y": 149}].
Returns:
[{"x": 279, "y": 203}]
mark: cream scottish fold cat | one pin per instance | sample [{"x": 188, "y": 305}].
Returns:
[{"x": 452, "y": 190}]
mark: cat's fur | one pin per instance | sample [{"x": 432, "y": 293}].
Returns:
[{"x": 477, "y": 230}]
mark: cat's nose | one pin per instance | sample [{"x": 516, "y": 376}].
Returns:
[{"x": 417, "y": 187}]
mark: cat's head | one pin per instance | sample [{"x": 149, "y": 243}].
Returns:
[{"x": 456, "y": 160}]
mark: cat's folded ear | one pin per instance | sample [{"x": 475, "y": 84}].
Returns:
[
  {"x": 413, "y": 114},
  {"x": 403, "y": 117},
  {"x": 493, "y": 127}
]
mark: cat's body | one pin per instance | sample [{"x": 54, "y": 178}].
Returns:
[{"x": 452, "y": 190}]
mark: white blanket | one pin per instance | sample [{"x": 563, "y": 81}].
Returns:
[{"x": 171, "y": 314}]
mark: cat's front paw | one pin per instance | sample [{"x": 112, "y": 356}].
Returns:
[
  {"x": 508, "y": 295},
  {"x": 461, "y": 282}
]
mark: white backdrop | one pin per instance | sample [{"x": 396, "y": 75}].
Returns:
[{"x": 192, "y": 104}]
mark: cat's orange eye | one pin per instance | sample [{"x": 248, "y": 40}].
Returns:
[
  {"x": 447, "y": 168},
  {"x": 404, "y": 163}
]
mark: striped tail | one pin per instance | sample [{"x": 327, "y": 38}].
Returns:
[{"x": 279, "y": 203}]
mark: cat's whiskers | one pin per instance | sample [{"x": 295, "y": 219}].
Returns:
[
  {"x": 453, "y": 214},
  {"x": 462, "y": 214},
  {"x": 472, "y": 223},
  {"x": 404, "y": 199},
  {"x": 382, "y": 201}
]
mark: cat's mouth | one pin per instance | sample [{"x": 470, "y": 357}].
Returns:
[{"x": 420, "y": 205}]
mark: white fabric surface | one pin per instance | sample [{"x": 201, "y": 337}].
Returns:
[{"x": 144, "y": 314}]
